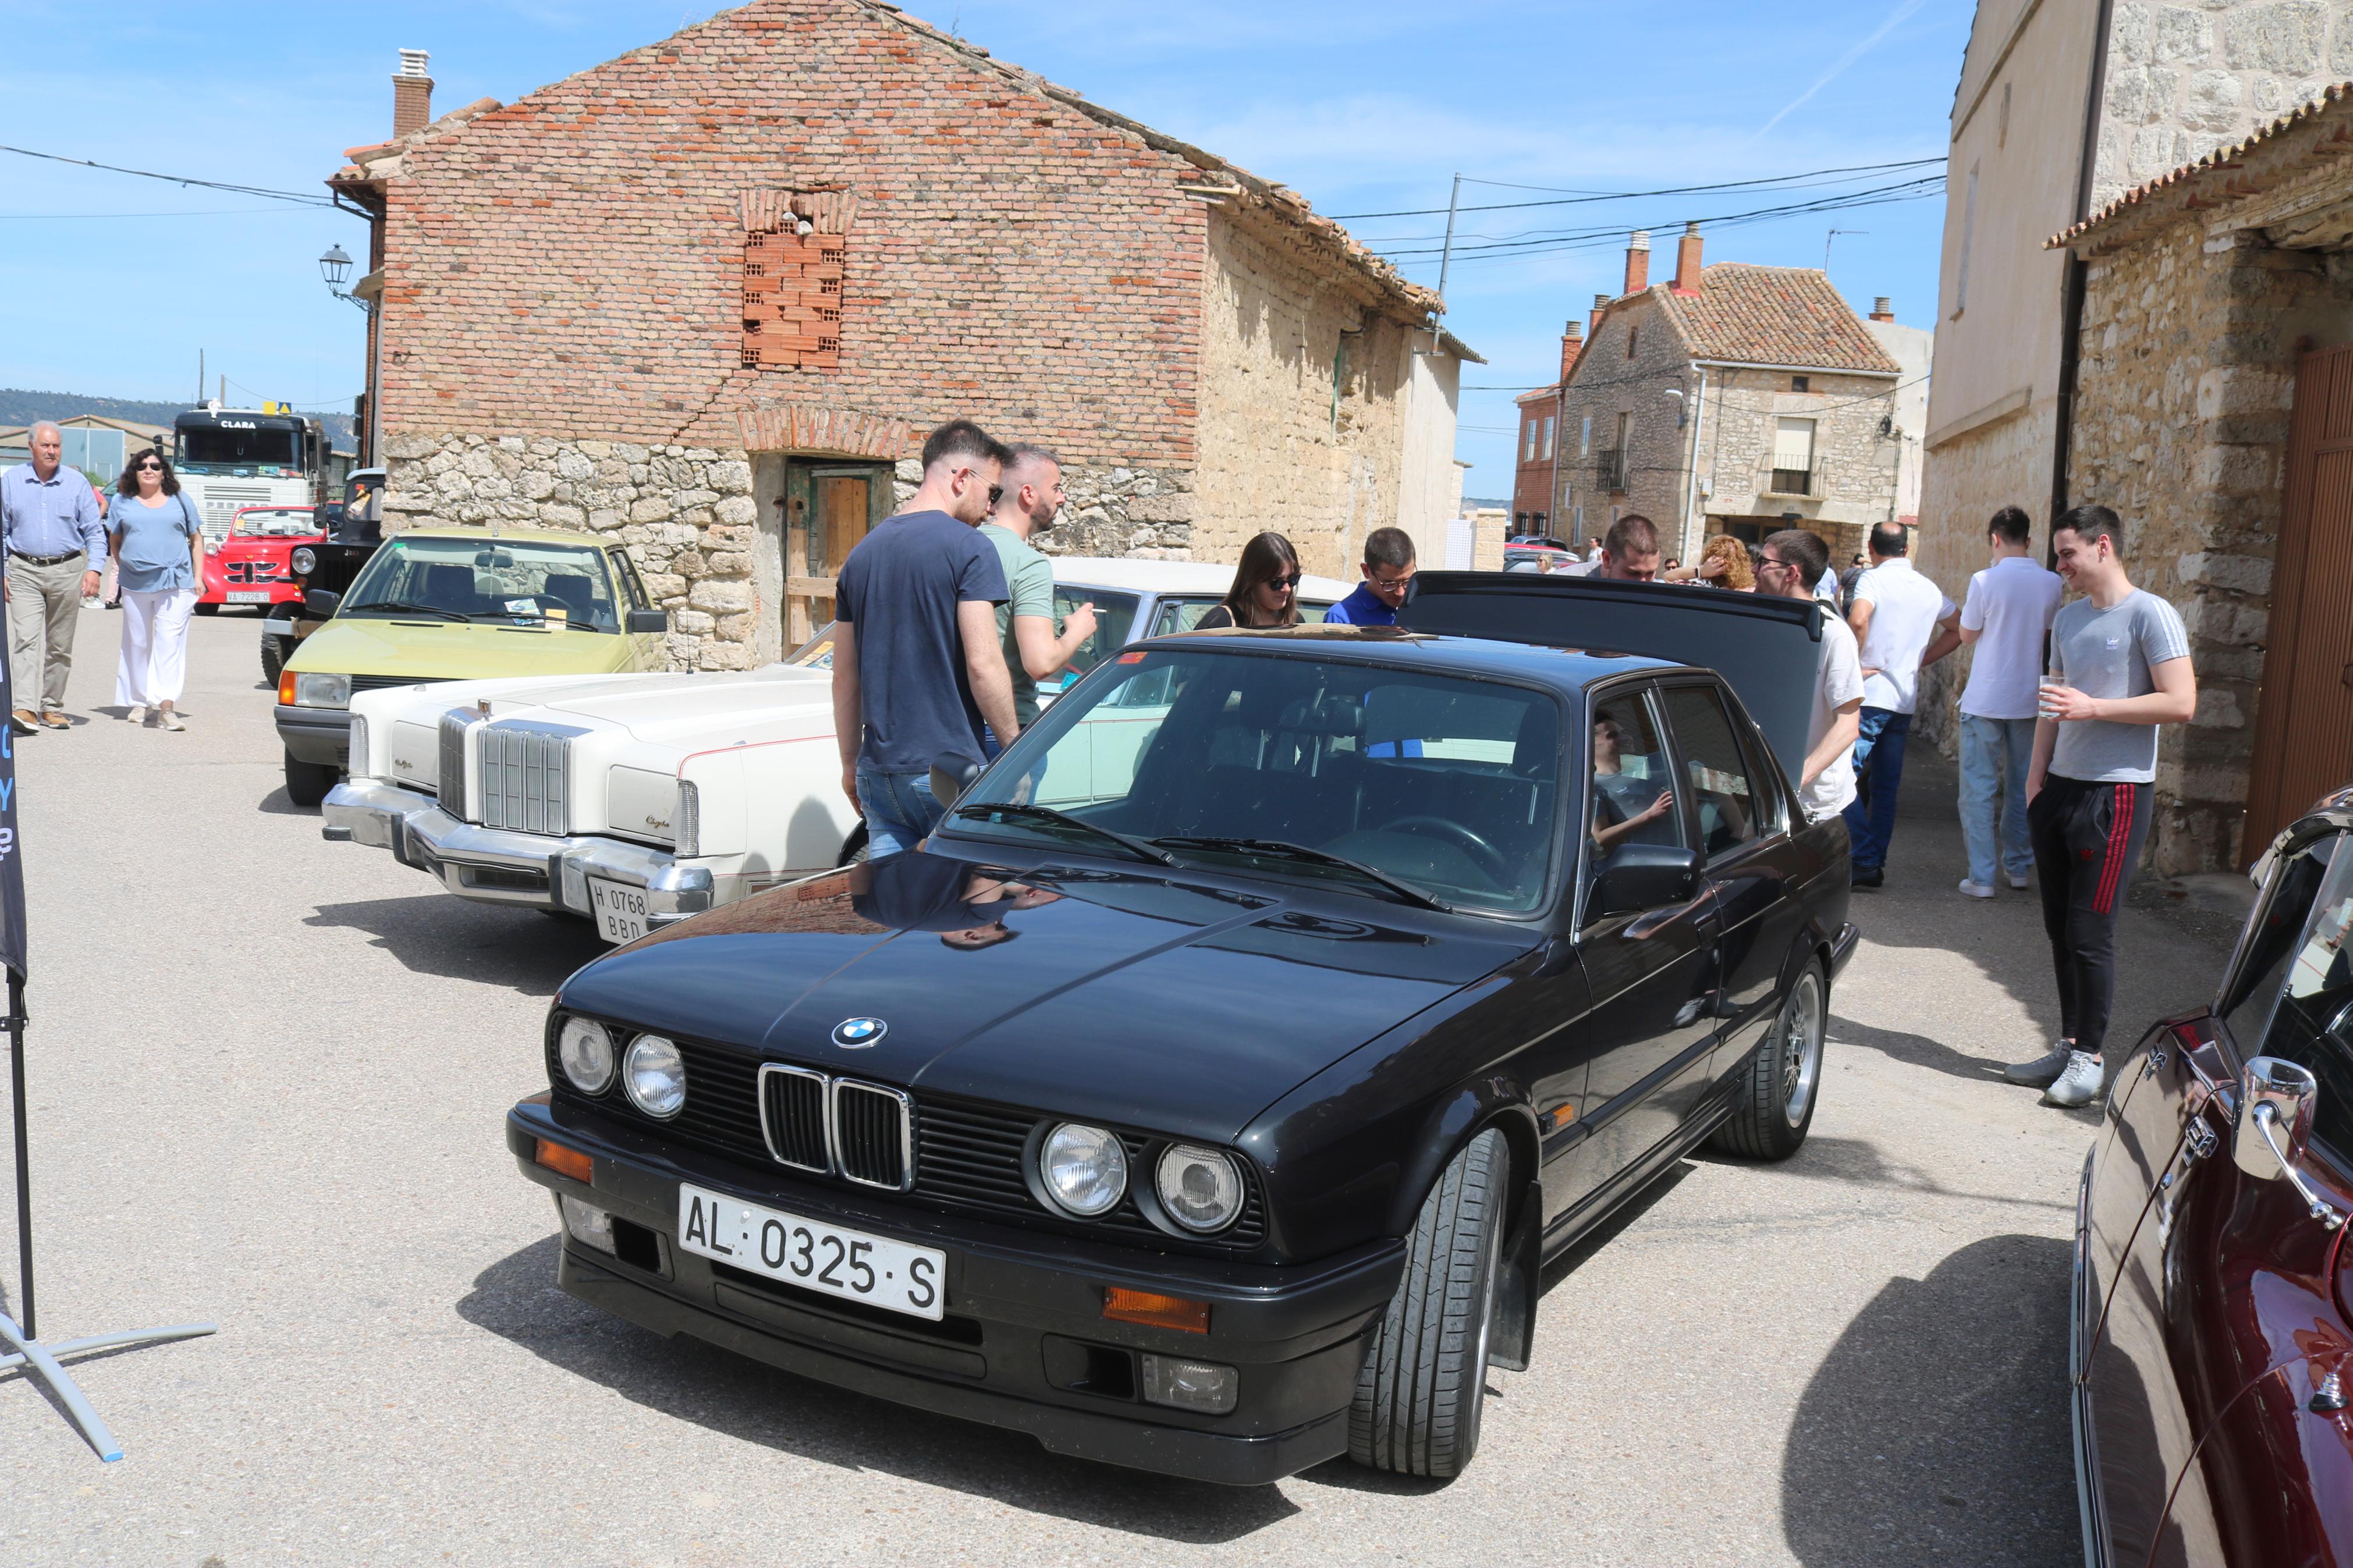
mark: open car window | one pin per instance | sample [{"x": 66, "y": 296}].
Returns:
[
  {"x": 1446, "y": 785},
  {"x": 1630, "y": 792},
  {"x": 1716, "y": 772},
  {"x": 2306, "y": 979},
  {"x": 1183, "y": 612}
]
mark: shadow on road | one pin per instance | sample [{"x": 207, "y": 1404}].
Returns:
[
  {"x": 1858, "y": 1162},
  {"x": 517, "y": 1300},
  {"x": 1917, "y": 1050},
  {"x": 1936, "y": 1430},
  {"x": 276, "y": 804},
  {"x": 435, "y": 933}
]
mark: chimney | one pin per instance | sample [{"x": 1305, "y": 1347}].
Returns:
[
  {"x": 412, "y": 94},
  {"x": 1687, "y": 260},
  {"x": 1593, "y": 322},
  {"x": 1638, "y": 261},
  {"x": 1883, "y": 308},
  {"x": 1572, "y": 339}
]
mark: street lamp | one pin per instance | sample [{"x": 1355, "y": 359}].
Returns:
[{"x": 335, "y": 267}]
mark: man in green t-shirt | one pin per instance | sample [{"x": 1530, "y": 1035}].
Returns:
[{"x": 1034, "y": 647}]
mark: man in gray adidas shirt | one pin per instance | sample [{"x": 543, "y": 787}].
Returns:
[{"x": 2119, "y": 667}]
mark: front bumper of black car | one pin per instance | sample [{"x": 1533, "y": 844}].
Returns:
[{"x": 1024, "y": 1343}]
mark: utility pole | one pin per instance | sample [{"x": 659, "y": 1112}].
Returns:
[
  {"x": 200, "y": 378},
  {"x": 1446, "y": 256}
]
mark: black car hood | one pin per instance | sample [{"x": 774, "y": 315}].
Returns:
[{"x": 1145, "y": 998}]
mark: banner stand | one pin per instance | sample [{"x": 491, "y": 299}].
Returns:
[{"x": 41, "y": 1360}]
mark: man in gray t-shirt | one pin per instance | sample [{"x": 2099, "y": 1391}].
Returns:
[{"x": 2119, "y": 667}]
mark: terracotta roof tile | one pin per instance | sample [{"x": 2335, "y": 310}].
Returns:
[{"x": 1772, "y": 315}]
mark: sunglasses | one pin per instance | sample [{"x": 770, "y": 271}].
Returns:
[
  {"x": 1283, "y": 584},
  {"x": 151, "y": 467},
  {"x": 995, "y": 494}
]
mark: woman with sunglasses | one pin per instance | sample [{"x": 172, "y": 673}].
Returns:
[
  {"x": 161, "y": 548},
  {"x": 1266, "y": 587}
]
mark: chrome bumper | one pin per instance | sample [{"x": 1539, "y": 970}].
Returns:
[{"x": 493, "y": 866}]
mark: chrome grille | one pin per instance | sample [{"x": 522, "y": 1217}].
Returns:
[
  {"x": 522, "y": 777},
  {"x": 452, "y": 771},
  {"x": 792, "y": 1117},
  {"x": 874, "y": 1135}
]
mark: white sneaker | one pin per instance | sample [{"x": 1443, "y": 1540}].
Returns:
[
  {"x": 2080, "y": 1084},
  {"x": 137, "y": 715},
  {"x": 1976, "y": 889},
  {"x": 2043, "y": 1071},
  {"x": 2019, "y": 883}
]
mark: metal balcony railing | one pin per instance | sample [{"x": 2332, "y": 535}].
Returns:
[
  {"x": 1780, "y": 481},
  {"x": 1610, "y": 471}
]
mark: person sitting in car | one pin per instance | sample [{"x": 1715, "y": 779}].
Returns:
[{"x": 1627, "y": 802}]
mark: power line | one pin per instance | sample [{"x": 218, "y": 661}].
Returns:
[
  {"x": 303, "y": 197},
  {"x": 1570, "y": 240},
  {"x": 1626, "y": 195},
  {"x": 202, "y": 212}
]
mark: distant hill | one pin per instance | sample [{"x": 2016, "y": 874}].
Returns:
[
  {"x": 18, "y": 406},
  {"x": 1476, "y": 503}
]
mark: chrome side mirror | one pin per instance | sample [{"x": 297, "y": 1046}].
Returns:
[{"x": 2275, "y": 1103}]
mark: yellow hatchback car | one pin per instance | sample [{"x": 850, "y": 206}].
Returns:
[{"x": 459, "y": 603}]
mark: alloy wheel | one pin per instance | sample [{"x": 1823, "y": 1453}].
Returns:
[{"x": 1801, "y": 1048}]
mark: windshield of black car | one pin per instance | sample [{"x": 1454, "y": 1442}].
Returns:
[
  {"x": 1445, "y": 784},
  {"x": 556, "y": 585}
]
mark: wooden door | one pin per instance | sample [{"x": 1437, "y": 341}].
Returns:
[
  {"x": 828, "y": 508},
  {"x": 2304, "y": 730}
]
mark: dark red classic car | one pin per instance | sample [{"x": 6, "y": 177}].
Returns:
[
  {"x": 252, "y": 565},
  {"x": 2212, "y": 1343}
]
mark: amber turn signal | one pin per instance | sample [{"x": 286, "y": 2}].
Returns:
[
  {"x": 569, "y": 1163},
  {"x": 1154, "y": 1310},
  {"x": 286, "y": 688}
]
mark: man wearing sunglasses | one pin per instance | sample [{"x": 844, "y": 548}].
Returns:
[
  {"x": 54, "y": 538},
  {"x": 918, "y": 665}
]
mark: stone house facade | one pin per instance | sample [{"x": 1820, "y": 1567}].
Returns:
[
  {"x": 1736, "y": 399},
  {"x": 709, "y": 295},
  {"x": 2052, "y": 120},
  {"x": 2216, "y": 381}
]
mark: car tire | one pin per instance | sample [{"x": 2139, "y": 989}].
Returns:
[
  {"x": 1424, "y": 1378},
  {"x": 273, "y": 657},
  {"x": 307, "y": 784},
  {"x": 204, "y": 609},
  {"x": 1781, "y": 1082}
]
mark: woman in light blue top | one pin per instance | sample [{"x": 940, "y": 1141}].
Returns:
[{"x": 160, "y": 548}]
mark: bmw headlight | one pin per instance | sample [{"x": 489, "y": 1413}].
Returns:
[
  {"x": 1200, "y": 1188},
  {"x": 1084, "y": 1169},
  {"x": 323, "y": 690},
  {"x": 304, "y": 560},
  {"x": 655, "y": 1075},
  {"x": 585, "y": 1051}
]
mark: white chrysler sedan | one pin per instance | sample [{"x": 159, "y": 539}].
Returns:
[{"x": 637, "y": 800}]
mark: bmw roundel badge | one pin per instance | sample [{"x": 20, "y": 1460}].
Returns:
[{"x": 857, "y": 1034}]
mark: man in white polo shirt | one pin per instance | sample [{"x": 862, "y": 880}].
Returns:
[
  {"x": 2005, "y": 617},
  {"x": 1902, "y": 623}
]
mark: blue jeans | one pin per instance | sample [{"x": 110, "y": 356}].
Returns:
[
  {"x": 899, "y": 809},
  {"x": 1878, "y": 771},
  {"x": 1995, "y": 755}
]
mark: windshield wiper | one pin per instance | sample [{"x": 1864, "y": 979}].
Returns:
[
  {"x": 1048, "y": 814},
  {"x": 1290, "y": 851},
  {"x": 411, "y": 607}
]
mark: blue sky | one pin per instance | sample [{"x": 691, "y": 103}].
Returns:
[{"x": 114, "y": 284}]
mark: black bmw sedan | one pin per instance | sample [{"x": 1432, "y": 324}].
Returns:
[{"x": 1206, "y": 1093}]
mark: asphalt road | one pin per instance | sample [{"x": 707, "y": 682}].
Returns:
[{"x": 267, "y": 1074}]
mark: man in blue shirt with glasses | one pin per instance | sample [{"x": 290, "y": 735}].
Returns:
[{"x": 56, "y": 551}]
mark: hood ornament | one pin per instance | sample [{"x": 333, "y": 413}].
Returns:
[{"x": 857, "y": 1034}]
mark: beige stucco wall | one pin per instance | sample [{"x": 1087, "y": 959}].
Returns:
[
  {"x": 1429, "y": 484},
  {"x": 1274, "y": 451}
]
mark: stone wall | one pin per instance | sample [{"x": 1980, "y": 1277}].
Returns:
[
  {"x": 1855, "y": 463},
  {"x": 1607, "y": 381},
  {"x": 2184, "y": 79},
  {"x": 2186, "y": 386},
  {"x": 1277, "y": 449}
]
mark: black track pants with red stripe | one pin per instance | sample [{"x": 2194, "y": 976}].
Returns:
[{"x": 2087, "y": 838}]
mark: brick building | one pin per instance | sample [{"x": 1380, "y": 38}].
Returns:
[
  {"x": 1537, "y": 475},
  {"x": 2213, "y": 410},
  {"x": 1734, "y": 399},
  {"x": 708, "y": 296}
]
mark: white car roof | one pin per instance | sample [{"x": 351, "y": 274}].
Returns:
[{"x": 1189, "y": 577}]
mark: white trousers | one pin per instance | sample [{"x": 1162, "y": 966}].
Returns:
[{"x": 154, "y": 663}]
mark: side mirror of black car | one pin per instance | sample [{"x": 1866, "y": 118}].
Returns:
[
  {"x": 321, "y": 603},
  {"x": 648, "y": 621},
  {"x": 951, "y": 777},
  {"x": 1645, "y": 876}
]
